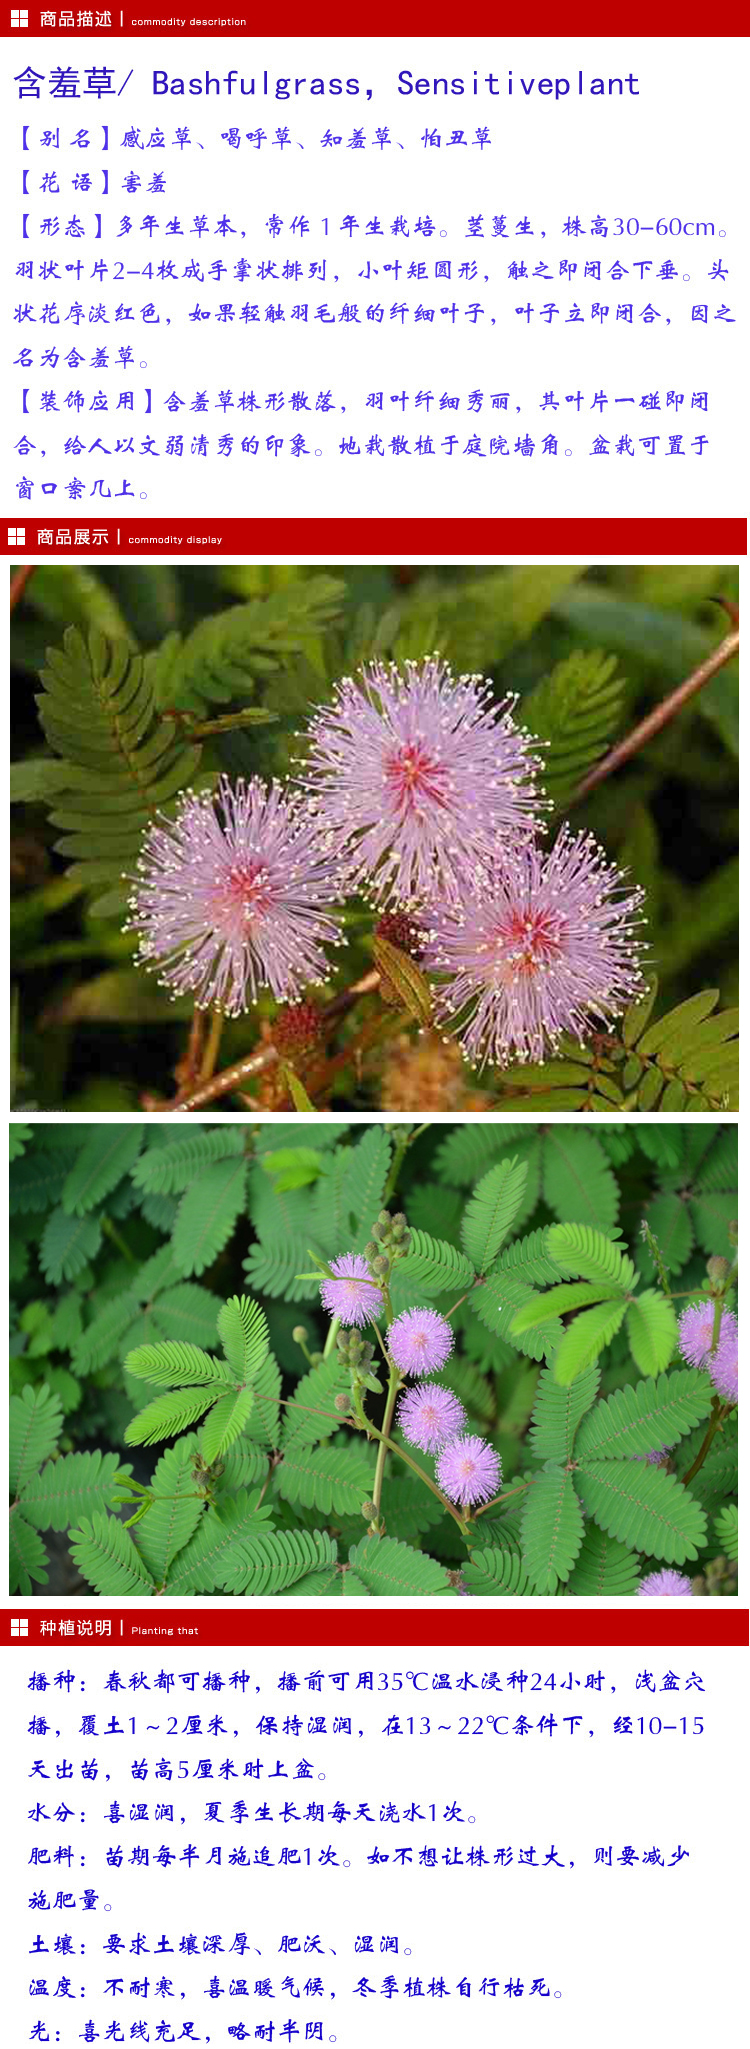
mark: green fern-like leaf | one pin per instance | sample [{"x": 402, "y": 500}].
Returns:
[
  {"x": 245, "y": 1466},
  {"x": 636, "y": 1420},
  {"x": 558, "y": 1302},
  {"x": 579, "y": 1250},
  {"x": 496, "y": 1570},
  {"x": 169, "y": 1414},
  {"x": 171, "y": 1365},
  {"x": 472, "y": 1387},
  {"x": 167, "y": 1170},
  {"x": 227, "y": 653},
  {"x": 668, "y": 1218},
  {"x": 528, "y": 1260},
  {"x": 264, "y": 1422},
  {"x": 228, "y": 1418},
  {"x": 274, "y": 1268},
  {"x": 19, "y": 1136},
  {"x": 70, "y": 1487},
  {"x": 207, "y": 1215},
  {"x": 604, "y": 1567},
  {"x": 388, "y": 1567},
  {"x": 277, "y": 1559},
  {"x": 326, "y": 1583},
  {"x": 244, "y": 1335},
  {"x": 107, "y": 1155},
  {"x": 204, "y": 1563},
  {"x": 68, "y": 1243},
  {"x": 469, "y": 1150},
  {"x": 585, "y": 1339},
  {"x": 726, "y": 1526},
  {"x": 577, "y": 1180},
  {"x": 310, "y": 1415},
  {"x": 691, "y": 1053},
  {"x": 432, "y": 1267},
  {"x": 491, "y": 1211},
  {"x": 175, "y": 1511},
  {"x": 106, "y": 1556},
  {"x": 121, "y": 761},
  {"x": 652, "y": 1331},
  {"x": 36, "y": 1181},
  {"x": 327, "y": 1477},
  {"x": 27, "y": 1557},
  {"x": 713, "y": 1215},
  {"x": 718, "y": 1167},
  {"x": 557, "y": 1412},
  {"x": 34, "y": 1426},
  {"x": 643, "y": 1507},
  {"x": 364, "y": 1185},
  {"x": 101, "y": 1342},
  {"x": 551, "y": 1529},
  {"x": 576, "y": 710},
  {"x": 510, "y": 1287},
  {"x": 186, "y": 1311}
]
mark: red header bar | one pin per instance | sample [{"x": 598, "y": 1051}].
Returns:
[
  {"x": 335, "y": 19},
  {"x": 442, "y": 1628},
  {"x": 392, "y": 539}
]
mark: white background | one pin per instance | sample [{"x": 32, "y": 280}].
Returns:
[
  {"x": 640, "y": 1951},
  {"x": 671, "y": 152}
]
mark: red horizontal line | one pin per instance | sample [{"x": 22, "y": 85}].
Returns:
[
  {"x": 391, "y": 538},
  {"x": 441, "y": 1628},
  {"x": 423, "y": 20}
]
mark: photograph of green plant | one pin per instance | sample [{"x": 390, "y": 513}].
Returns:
[
  {"x": 368, "y": 1360},
  {"x": 371, "y": 838}
]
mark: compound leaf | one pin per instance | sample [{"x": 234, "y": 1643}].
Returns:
[
  {"x": 647, "y": 1417},
  {"x": 491, "y": 1211},
  {"x": 34, "y": 1426},
  {"x": 106, "y": 1556},
  {"x": 207, "y": 1215},
  {"x": 551, "y": 1529},
  {"x": 644, "y": 1507},
  {"x": 652, "y": 1331},
  {"x": 388, "y": 1567}
]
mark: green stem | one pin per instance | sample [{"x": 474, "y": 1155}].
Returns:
[
  {"x": 413, "y": 1467},
  {"x": 404, "y": 1138},
  {"x": 457, "y": 1305},
  {"x": 330, "y": 1342},
  {"x": 110, "y": 1230},
  {"x": 503, "y": 1497},
  {"x": 394, "y": 1383},
  {"x": 719, "y": 1413}
]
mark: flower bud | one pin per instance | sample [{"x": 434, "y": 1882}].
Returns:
[
  {"x": 369, "y": 1510},
  {"x": 371, "y": 1249},
  {"x": 341, "y": 1402},
  {"x": 299, "y": 1334},
  {"x": 381, "y": 1265},
  {"x": 384, "y": 1217},
  {"x": 717, "y": 1268}
]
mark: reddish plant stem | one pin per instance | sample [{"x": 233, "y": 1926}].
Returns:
[
  {"x": 224, "y": 1084},
  {"x": 18, "y": 583},
  {"x": 660, "y": 717}
]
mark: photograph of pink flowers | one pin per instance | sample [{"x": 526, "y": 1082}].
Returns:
[
  {"x": 358, "y": 1361},
  {"x": 457, "y": 839}
]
